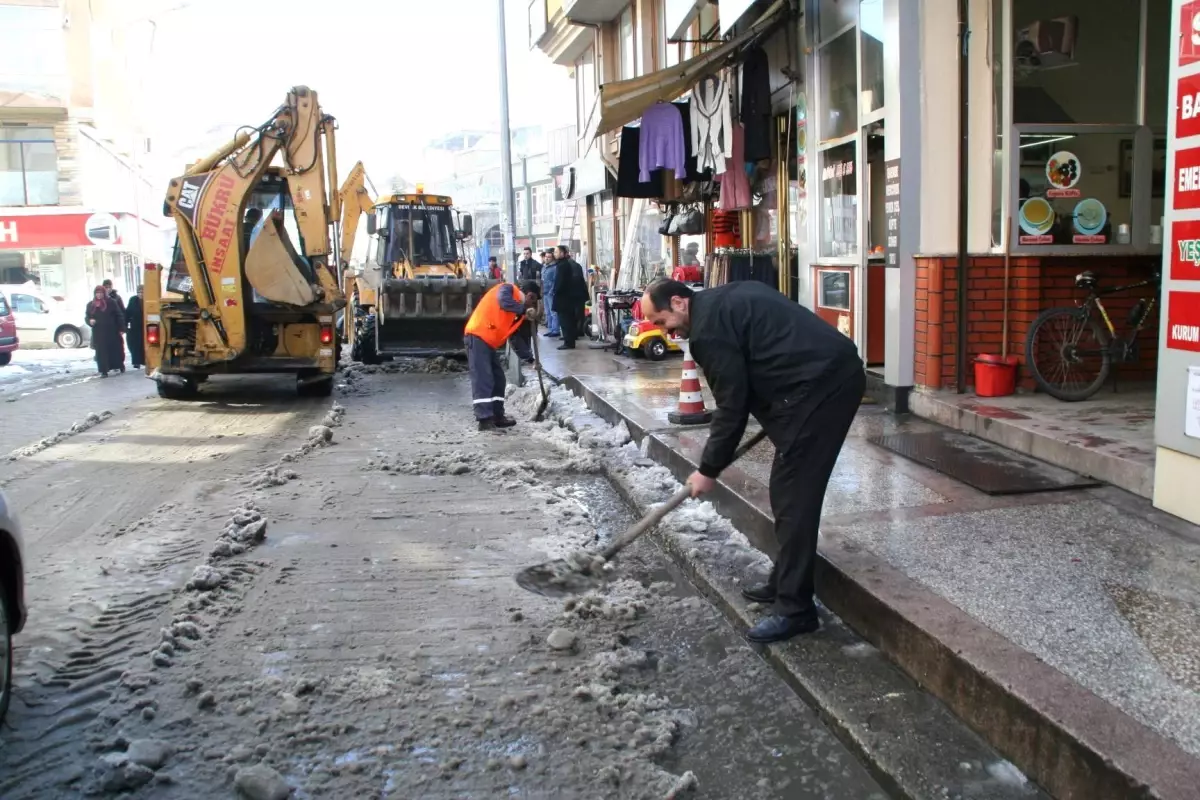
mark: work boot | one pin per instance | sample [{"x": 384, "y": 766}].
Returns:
[
  {"x": 488, "y": 424},
  {"x": 505, "y": 422},
  {"x": 777, "y": 628},
  {"x": 762, "y": 593},
  {"x": 566, "y": 347}
]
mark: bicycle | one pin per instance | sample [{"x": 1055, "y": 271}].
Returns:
[{"x": 1084, "y": 339}]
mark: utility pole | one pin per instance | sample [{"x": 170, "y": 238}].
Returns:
[{"x": 514, "y": 364}]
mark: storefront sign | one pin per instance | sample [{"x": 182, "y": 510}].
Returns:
[
  {"x": 52, "y": 231},
  {"x": 891, "y": 212},
  {"x": 1044, "y": 238},
  {"x": 1081, "y": 238},
  {"x": 1183, "y": 321},
  {"x": 1189, "y": 33},
  {"x": 835, "y": 172},
  {"x": 1187, "y": 107},
  {"x": 1185, "y": 250},
  {"x": 1187, "y": 178}
]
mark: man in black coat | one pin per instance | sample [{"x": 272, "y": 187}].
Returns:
[
  {"x": 570, "y": 296},
  {"x": 765, "y": 355},
  {"x": 529, "y": 269},
  {"x": 134, "y": 330}
]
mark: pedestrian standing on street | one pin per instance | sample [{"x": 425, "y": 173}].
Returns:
[
  {"x": 115, "y": 297},
  {"x": 549, "y": 275},
  {"x": 107, "y": 321},
  {"x": 765, "y": 355},
  {"x": 570, "y": 296},
  {"x": 529, "y": 269},
  {"x": 494, "y": 269},
  {"x": 135, "y": 330},
  {"x": 500, "y": 313}
]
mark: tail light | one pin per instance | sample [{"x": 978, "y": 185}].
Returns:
[
  {"x": 152, "y": 334},
  {"x": 326, "y": 335}
]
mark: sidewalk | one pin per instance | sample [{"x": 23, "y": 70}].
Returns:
[{"x": 1064, "y": 627}]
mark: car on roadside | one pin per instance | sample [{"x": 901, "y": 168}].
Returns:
[
  {"x": 8, "y": 333},
  {"x": 43, "y": 320},
  {"x": 12, "y": 595}
]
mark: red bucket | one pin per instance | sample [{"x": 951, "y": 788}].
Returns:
[{"x": 995, "y": 376}]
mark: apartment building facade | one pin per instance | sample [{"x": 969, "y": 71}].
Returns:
[{"x": 75, "y": 207}]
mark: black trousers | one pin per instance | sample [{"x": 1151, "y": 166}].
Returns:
[
  {"x": 487, "y": 378},
  {"x": 568, "y": 323},
  {"x": 799, "y": 477}
]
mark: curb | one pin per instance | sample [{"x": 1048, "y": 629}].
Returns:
[{"x": 1068, "y": 740}]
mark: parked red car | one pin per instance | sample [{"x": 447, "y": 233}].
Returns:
[{"x": 8, "y": 333}]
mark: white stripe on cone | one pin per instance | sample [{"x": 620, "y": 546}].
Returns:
[{"x": 691, "y": 397}]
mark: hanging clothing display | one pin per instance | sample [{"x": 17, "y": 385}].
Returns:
[
  {"x": 712, "y": 125},
  {"x": 661, "y": 141},
  {"x": 735, "y": 186},
  {"x": 726, "y": 229},
  {"x": 628, "y": 183},
  {"x": 756, "y": 105}
]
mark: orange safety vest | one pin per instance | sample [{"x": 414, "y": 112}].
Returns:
[{"x": 491, "y": 323}]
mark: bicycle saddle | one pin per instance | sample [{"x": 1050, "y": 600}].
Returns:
[{"x": 1086, "y": 280}]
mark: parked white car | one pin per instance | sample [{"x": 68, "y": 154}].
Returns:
[
  {"x": 42, "y": 320},
  {"x": 12, "y": 595}
]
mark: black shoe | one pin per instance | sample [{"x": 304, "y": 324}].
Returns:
[
  {"x": 504, "y": 422},
  {"x": 776, "y": 628},
  {"x": 122, "y": 369},
  {"x": 566, "y": 347},
  {"x": 529, "y": 362},
  {"x": 549, "y": 335},
  {"x": 487, "y": 424},
  {"x": 762, "y": 593},
  {"x": 103, "y": 374}
]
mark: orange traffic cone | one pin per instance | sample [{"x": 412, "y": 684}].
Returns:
[{"x": 691, "y": 399}]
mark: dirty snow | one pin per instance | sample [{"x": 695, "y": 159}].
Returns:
[{"x": 90, "y": 421}]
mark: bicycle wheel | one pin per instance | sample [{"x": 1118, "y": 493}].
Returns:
[{"x": 1067, "y": 352}]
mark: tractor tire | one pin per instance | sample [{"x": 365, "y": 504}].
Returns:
[
  {"x": 172, "y": 391},
  {"x": 364, "y": 349}
]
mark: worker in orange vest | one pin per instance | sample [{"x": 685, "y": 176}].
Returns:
[{"x": 499, "y": 314}]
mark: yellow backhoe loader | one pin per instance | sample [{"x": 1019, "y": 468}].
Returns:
[
  {"x": 417, "y": 290},
  {"x": 255, "y": 281}
]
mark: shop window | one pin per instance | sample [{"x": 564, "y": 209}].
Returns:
[
  {"x": 1075, "y": 189},
  {"x": 48, "y": 271},
  {"x": 834, "y": 16},
  {"x": 834, "y": 289},
  {"x": 28, "y": 167},
  {"x": 839, "y": 200},
  {"x": 1075, "y": 63},
  {"x": 871, "y": 27},
  {"x": 838, "y": 71}
]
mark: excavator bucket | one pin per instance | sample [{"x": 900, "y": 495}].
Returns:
[
  {"x": 273, "y": 267},
  {"x": 426, "y": 316}
]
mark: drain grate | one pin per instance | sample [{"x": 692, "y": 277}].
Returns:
[{"x": 988, "y": 467}]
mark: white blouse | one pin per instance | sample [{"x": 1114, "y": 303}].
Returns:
[{"x": 712, "y": 126}]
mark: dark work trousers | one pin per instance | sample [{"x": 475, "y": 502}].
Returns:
[
  {"x": 568, "y": 323},
  {"x": 487, "y": 378},
  {"x": 799, "y": 477}
]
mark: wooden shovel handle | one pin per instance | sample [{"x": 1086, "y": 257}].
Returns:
[{"x": 656, "y": 516}]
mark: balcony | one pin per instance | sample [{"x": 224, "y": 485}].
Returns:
[
  {"x": 593, "y": 12},
  {"x": 551, "y": 32}
]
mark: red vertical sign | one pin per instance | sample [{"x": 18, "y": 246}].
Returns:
[
  {"x": 1185, "y": 250},
  {"x": 1187, "y": 106},
  {"x": 1183, "y": 321},
  {"x": 1189, "y": 33}
]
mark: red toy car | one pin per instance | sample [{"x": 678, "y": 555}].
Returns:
[{"x": 8, "y": 332}]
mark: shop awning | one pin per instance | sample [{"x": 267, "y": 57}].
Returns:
[{"x": 621, "y": 102}]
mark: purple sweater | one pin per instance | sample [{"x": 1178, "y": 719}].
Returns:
[{"x": 661, "y": 142}]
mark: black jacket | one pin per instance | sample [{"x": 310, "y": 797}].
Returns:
[
  {"x": 570, "y": 285},
  {"x": 765, "y": 355},
  {"x": 529, "y": 270}
]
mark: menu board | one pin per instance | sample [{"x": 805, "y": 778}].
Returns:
[{"x": 891, "y": 212}]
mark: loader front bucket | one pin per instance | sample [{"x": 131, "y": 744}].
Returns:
[{"x": 426, "y": 316}]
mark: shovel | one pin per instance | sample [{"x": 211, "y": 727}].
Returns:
[
  {"x": 537, "y": 360},
  {"x": 562, "y": 577}
]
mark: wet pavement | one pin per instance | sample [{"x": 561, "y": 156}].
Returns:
[{"x": 1096, "y": 583}]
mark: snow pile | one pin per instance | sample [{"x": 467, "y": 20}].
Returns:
[
  {"x": 246, "y": 528},
  {"x": 90, "y": 421},
  {"x": 695, "y": 529}
]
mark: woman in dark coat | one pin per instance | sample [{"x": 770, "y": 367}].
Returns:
[
  {"x": 134, "y": 336},
  {"x": 106, "y": 321}
]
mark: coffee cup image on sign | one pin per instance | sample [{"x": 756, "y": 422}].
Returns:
[
  {"x": 1090, "y": 216},
  {"x": 1037, "y": 216}
]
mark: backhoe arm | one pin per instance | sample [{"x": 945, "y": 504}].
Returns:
[{"x": 354, "y": 201}]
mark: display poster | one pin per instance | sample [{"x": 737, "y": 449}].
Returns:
[
  {"x": 1183, "y": 321},
  {"x": 1187, "y": 107},
  {"x": 891, "y": 212},
  {"x": 1189, "y": 33},
  {"x": 1191, "y": 406}
]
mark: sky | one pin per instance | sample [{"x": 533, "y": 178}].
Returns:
[{"x": 395, "y": 74}]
